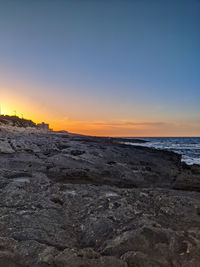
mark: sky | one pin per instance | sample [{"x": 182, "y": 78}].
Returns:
[{"x": 103, "y": 67}]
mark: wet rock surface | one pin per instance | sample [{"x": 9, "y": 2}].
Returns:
[{"x": 70, "y": 200}]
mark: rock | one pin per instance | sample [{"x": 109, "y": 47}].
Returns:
[
  {"x": 10, "y": 259},
  {"x": 70, "y": 200},
  {"x": 189, "y": 179},
  {"x": 75, "y": 258},
  {"x": 8, "y": 256},
  {"x": 47, "y": 257},
  {"x": 77, "y": 152},
  {"x": 137, "y": 258},
  {"x": 5, "y": 147}
]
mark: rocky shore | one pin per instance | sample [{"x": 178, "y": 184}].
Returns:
[{"x": 68, "y": 200}]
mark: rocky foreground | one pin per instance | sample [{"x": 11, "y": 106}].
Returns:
[{"x": 73, "y": 201}]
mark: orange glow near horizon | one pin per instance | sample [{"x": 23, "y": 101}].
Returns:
[
  {"x": 128, "y": 129},
  {"x": 38, "y": 112},
  {"x": 123, "y": 128}
]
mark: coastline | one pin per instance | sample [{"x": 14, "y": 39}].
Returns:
[
  {"x": 187, "y": 147},
  {"x": 70, "y": 199}
]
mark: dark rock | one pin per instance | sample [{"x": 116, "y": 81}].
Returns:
[
  {"x": 86, "y": 257},
  {"x": 70, "y": 200},
  {"x": 77, "y": 152},
  {"x": 189, "y": 179}
]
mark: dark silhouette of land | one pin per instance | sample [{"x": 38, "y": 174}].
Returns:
[{"x": 16, "y": 121}]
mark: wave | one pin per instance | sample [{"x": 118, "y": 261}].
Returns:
[{"x": 188, "y": 147}]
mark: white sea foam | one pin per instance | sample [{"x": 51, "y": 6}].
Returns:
[{"x": 188, "y": 147}]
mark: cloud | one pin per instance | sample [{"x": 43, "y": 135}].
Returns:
[{"x": 118, "y": 123}]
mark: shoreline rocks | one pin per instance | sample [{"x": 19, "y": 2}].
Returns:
[{"x": 72, "y": 200}]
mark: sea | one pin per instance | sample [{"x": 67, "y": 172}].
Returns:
[{"x": 188, "y": 147}]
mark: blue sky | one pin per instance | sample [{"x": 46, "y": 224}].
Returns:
[{"x": 103, "y": 60}]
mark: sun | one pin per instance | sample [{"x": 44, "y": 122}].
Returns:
[{"x": 5, "y": 110}]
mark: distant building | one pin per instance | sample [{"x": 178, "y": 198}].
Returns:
[{"x": 43, "y": 125}]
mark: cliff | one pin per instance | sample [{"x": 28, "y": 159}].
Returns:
[{"x": 16, "y": 121}]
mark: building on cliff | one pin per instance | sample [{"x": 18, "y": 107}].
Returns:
[{"x": 43, "y": 126}]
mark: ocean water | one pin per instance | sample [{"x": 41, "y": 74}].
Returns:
[{"x": 188, "y": 147}]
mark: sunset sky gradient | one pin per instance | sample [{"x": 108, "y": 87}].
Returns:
[{"x": 117, "y": 68}]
